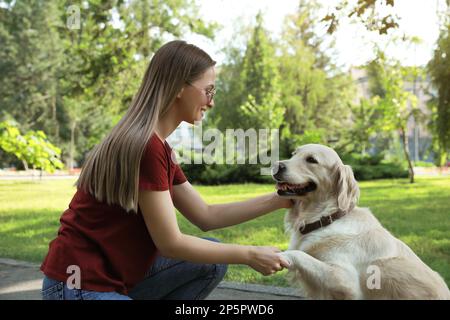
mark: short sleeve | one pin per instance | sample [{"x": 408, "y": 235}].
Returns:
[
  {"x": 153, "y": 174},
  {"x": 179, "y": 177}
]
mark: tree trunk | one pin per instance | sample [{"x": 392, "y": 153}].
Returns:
[
  {"x": 406, "y": 152},
  {"x": 72, "y": 144},
  {"x": 54, "y": 119},
  {"x": 25, "y": 165}
]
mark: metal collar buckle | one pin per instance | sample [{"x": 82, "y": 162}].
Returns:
[{"x": 326, "y": 219}]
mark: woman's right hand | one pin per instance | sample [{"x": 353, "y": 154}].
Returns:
[{"x": 266, "y": 260}]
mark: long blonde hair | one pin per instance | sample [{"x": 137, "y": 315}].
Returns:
[{"x": 111, "y": 170}]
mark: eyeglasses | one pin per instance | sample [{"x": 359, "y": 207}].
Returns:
[{"x": 209, "y": 93}]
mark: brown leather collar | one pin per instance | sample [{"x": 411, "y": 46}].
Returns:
[{"x": 324, "y": 221}]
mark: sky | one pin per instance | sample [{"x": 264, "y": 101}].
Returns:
[{"x": 353, "y": 42}]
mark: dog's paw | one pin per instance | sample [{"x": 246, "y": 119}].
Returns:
[{"x": 288, "y": 257}]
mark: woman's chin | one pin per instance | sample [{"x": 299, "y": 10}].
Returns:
[
  {"x": 194, "y": 121},
  {"x": 200, "y": 117},
  {"x": 196, "y": 118}
]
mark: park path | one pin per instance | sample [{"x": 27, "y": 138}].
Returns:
[{"x": 22, "y": 281}]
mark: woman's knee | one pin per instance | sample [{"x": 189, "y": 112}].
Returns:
[{"x": 221, "y": 270}]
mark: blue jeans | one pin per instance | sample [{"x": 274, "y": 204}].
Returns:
[{"x": 167, "y": 279}]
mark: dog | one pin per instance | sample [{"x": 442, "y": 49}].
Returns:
[{"x": 338, "y": 250}]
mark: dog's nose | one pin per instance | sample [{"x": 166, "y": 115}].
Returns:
[{"x": 278, "y": 169}]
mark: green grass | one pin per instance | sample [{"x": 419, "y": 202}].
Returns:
[{"x": 418, "y": 214}]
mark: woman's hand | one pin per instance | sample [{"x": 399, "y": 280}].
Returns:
[
  {"x": 266, "y": 260},
  {"x": 283, "y": 202}
]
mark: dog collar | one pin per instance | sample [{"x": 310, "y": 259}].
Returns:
[{"x": 322, "y": 222}]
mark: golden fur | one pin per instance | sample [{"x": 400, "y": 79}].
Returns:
[{"x": 355, "y": 257}]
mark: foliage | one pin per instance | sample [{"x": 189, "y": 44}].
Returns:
[
  {"x": 424, "y": 164},
  {"x": 315, "y": 92},
  {"x": 33, "y": 148},
  {"x": 216, "y": 174},
  {"x": 310, "y": 136},
  {"x": 367, "y": 12},
  {"x": 371, "y": 167},
  {"x": 30, "y": 59},
  {"x": 73, "y": 81},
  {"x": 439, "y": 68},
  {"x": 389, "y": 108},
  {"x": 249, "y": 85},
  {"x": 365, "y": 118}
]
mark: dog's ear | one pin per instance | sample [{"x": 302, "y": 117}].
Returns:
[{"x": 346, "y": 187}]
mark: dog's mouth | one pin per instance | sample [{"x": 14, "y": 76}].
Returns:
[{"x": 289, "y": 189}]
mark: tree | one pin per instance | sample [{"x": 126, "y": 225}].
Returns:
[
  {"x": 33, "y": 148},
  {"x": 73, "y": 81},
  {"x": 315, "y": 92},
  {"x": 439, "y": 70},
  {"x": 250, "y": 85},
  {"x": 367, "y": 13},
  {"x": 109, "y": 59},
  {"x": 230, "y": 93},
  {"x": 395, "y": 106},
  {"x": 261, "y": 81},
  {"x": 29, "y": 62},
  {"x": 365, "y": 116},
  {"x": 11, "y": 141}
]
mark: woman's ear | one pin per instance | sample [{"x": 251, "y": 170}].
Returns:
[
  {"x": 346, "y": 188},
  {"x": 180, "y": 93}
]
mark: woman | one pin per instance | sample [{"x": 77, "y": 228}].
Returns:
[{"x": 120, "y": 239}]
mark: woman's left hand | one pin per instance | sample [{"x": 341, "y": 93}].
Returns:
[{"x": 283, "y": 202}]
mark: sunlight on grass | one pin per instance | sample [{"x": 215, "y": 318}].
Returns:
[{"x": 417, "y": 214}]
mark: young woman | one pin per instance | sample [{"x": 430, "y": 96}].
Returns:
[{"x": 119, "y": 238}]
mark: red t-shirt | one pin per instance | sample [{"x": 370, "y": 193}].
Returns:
[{"x": 112, "y": 248}]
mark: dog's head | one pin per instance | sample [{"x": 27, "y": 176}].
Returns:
[{"x": 317, "y": 171}]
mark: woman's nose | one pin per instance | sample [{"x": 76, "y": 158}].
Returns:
[{"x": 211, "y": 103}]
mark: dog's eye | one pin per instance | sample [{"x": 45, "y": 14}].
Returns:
[{"x": 311, "y": 160}]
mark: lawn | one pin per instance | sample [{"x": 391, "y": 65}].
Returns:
[{"x": 418, "y": 214}]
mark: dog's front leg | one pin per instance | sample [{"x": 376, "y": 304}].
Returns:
[
  {"x": 323, "y": 280},
  {"x": 309, "y": 266}
]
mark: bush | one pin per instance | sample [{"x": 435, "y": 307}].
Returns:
[
  {"x": 423, "y": 164},
  {"x": 365, "y": 167},
  {"x": 379, "y": 171},
  {"x": 214, "y": 174},
  {"x": 362, "y": 159},
  {"x": 33, "y": 148},
  {"x": 371, "y": 167}
]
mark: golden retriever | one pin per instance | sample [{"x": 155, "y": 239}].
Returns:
[{"x": 351, "y": 255}]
